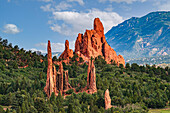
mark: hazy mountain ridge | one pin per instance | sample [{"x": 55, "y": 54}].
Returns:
[
  {"x": 157, "y": 60},
  {"x": 142, "y": 37}
]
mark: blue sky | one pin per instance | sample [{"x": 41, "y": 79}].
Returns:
[{"x": 31, "y": 23}]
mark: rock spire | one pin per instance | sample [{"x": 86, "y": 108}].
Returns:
[
  {"x": 107, "y": 100},
  {"x": 91, "y": 78}
]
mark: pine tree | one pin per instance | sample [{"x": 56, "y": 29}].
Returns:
[
  {"x": 23, "y": 109},
  {"x": 70, "y": 108}
]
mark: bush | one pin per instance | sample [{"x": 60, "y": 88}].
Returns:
[{"x": 70, "y": 91}]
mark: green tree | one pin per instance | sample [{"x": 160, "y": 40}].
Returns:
[
  {"x": 127, "y": 66},
  {"x": 15, "y": 65},
  {"x": 70, "y": 108},
  {"x": 23, "y": 109},
  {"x": 1, "y": 109},
  {"x": 54, "y": 58},
  {"x": 6, "y": 56}
]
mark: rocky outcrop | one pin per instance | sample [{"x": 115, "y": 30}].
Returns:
[
  {"x": 67, "y": 85},
  {"x": 55, "y": 81},
  {"x": 121, "y": 60},
  {"x": 93, "y": 44},
  {"x": 67, "y": 52},
  {"x": 107, "y": 100},
  {"x": 91, "y": 78},
  {"x": 49, "y": 88}
]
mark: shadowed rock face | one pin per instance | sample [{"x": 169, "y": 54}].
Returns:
[
  {"x": 93, "y": 44},
  {"x": 107, "y": 100},
  {"x": 91, "y": 78},
  {"x": 67, "y": 52},
  {"x": 67, "y": 85}
]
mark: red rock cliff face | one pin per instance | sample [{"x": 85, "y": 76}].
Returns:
[
  {"x": 107, "y": 100},
  {"x": 91, "y": 78},
  {"x": 67, "y": 52},
  {"x": 93, "y": 44},
  {"x": 49, "y": 88}
]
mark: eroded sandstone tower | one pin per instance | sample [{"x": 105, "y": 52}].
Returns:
[
  {"x": 91, "y": 78},
  {"x": 55, "y": 81},
  {"x": 107, "y": 100},
  {"x": 49, "y": 88}
]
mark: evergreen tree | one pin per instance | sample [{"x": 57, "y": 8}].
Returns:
[{"x": 70, "y": 108}]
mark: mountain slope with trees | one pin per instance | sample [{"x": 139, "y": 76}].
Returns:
[{"x": 132, "y": 89}]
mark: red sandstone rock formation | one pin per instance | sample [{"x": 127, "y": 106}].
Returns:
[
  {"x": 55, "y": 82},
  {"x": 107, "y": 100},
  {"x": 49, "y": 88},
  {"x": 93, "y": 44},
  {"x": 121, "y": 60},
  {"x": 91, "y": 78},
  {"x": 67, "y": 85},
  {"x": 59, "y": 79},
  {"x": 67, "y": 52}
]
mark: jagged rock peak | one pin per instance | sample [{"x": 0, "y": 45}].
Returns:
[
  {"x": 67, "y": 52},
  {"x": 66, "y": 45},
  {"x": 98, "y": 27}
]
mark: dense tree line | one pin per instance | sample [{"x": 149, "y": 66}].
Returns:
[{"x": 132, "y": 89}]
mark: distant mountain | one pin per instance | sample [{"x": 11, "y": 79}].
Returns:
[
  {"x": 157, "y": 60},
  {"x": 142, "y": 37},
  {"x": 57, "y": 54}
]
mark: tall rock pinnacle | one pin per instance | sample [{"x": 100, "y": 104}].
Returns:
[
  {"x": 91, "y": 77},
  {"x": 67, "y": 52},
  {"x": 55, "y": 81},
  {"x": 49, "y": 88},
  {"x": 107, "y": 100},
  {"x": 98, "y": 27}
]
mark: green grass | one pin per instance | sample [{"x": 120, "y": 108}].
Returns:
[{"x": 165, "y": 110}]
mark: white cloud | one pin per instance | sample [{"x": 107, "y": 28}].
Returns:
[
  {"x": 75, "y": 22},
  {"x": 126, "y": 1},
  {"x": 109, "y": 8},
  {"x": 11, "y": 29},
  {"x": 164, "y": 6},
  {"x": 81, "y": 2},
  {"x": 47, "y": 8},
  {"x": 59, "y": 7},
  {"x": 46, "y": 0},
  {"x": 62, "y": 6},
  {"x": 56, "y": 47}
]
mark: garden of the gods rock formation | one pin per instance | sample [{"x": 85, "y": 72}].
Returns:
[
  {"x": 92, "y": 44},
  {"x": 88, "y": 46},
  {"x": 57, "y": 83}
]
